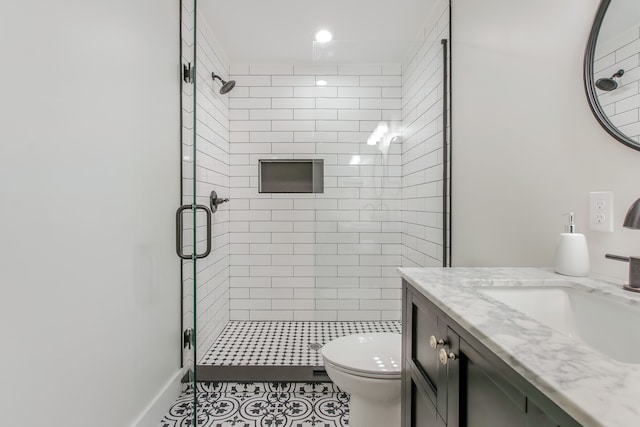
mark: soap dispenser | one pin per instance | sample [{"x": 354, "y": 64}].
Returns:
[{"x": 572, "y": 255}]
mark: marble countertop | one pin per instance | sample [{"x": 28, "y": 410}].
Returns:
[{"x": 594, "y": 389}]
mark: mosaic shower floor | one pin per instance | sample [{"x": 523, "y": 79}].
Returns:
[
  {"x": 262, "y": 405},
  {"x": 283, "y": 343}
]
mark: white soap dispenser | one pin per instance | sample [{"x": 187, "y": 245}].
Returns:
[{"x": 572, "y": 255}]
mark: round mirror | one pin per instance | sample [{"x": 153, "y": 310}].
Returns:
[{"x": 612, "y": 69}]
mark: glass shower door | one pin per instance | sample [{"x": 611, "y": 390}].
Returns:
[{"x": 186, "y": 214}]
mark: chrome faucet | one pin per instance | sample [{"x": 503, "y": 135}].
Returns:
[{"x": 632, "y": 221}]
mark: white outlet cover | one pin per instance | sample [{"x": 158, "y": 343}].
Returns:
[{"x": 601, "y": 211}]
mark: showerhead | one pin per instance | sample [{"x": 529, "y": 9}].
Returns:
[
  {"x": 611, "y": 83},
  {"x": 226, "y": 86}
]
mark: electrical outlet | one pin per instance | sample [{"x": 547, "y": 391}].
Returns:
[{"x": 601, "y": 211}]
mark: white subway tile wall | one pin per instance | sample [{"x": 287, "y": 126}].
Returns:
[
  {"x": 316, "y": 256},
  {"x": 212, "y": 173},
  {"x": 422, "y": 154},
  {"x": 621, "y": 104}
]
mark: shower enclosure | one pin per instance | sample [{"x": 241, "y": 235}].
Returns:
[{"x": 287, "y": 265}]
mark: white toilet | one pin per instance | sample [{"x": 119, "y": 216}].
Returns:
[{"x": 368, "y": 367}]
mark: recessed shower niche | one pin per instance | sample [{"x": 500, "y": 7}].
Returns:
[{"x": 291, "y": 176}]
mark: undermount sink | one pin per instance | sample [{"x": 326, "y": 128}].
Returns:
[{"x": 604, "y": 324}]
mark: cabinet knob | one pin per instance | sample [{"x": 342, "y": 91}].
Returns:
[
  {"x": 435, "y": 342},
  {"x": 445, "y": 357}
]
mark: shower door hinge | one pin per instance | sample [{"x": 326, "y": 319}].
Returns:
[
  {"x": 187, "y": 378},
  {"x": 187, "y": 338},
  {"x": 187, "y": 73}
]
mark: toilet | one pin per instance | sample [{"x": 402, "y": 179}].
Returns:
[{"x": 368, "y": 367}]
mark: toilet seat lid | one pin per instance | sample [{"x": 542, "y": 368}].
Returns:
[{"x": 377, "y": 353}]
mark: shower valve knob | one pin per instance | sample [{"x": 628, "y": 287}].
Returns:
[{"x": 215, "y": 201}]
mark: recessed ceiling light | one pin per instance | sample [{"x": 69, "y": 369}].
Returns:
[
  {"x": 321, "y": 82},
  {"x": 323, "y": 36}
]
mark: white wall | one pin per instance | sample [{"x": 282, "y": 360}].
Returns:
[
  {"x": 526, "y": 147},
  {"x": 329, "y": 256},
  {"x": 422, "y": 152},
  {"x": 89, "y": 166}
]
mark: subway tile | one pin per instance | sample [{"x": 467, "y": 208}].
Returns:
[
  {"x": 293, "y": 260},
  {"x": 293, "y": 237},
  {"x": 249, "y": 103},
  {"x": 298, "y": 304},
  {"x": 340, "y": 80},
  {"x": 270, "y": 226},
  {"x": 283, "y": 315},
  {"x": 337, "y": 304},
  {"x": 391, "y": 92},
  {"x": 358, "y": 293},
  {"x": 271, "y": 114},
  {"x": 337, "y": 125},
  {"x": 295, "y": 103},
  {"x": 338, "y": 103},
  {"x": 336, "y": 260},
  {"x": 277, "y": 270},
  {"x": 249, "y": 125},
  {"x": 266, "y": 293},
  {"x": 315, "y": 293},
  {"x": 294, "y": 125},
  {"x": 250, "y": 304},
  {"x": 295, "y": 282},
  {"x": 362, "y": 92},
  {"x": 271, "y": 248},
  {"x": 271, "y": 136},
  {"x": 316, "y": 315},
  {"x": 395, "y": 81},
  {"x": 296, "y": 147},
  {"x": 337, "y": 282},
  {"x": 352, "y": 315},
  {"x": 315, "y": 136},
  {"x": 315, "y": 114},
  {"x": 293, "y": 81},
  {"x": 359, "y": 115},
  {"x": 271, "y": 92},
  {"x": 381, "y": 304}
]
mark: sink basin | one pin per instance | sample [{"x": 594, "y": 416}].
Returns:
[{"x": 604, "y": 324}]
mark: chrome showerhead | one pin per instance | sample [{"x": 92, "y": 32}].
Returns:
[
  {"x": 226, "y": 86},
  {"x": 611, "y": 83}
]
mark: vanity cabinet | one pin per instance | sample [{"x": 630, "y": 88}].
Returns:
[{"x": 461, "y": 383}]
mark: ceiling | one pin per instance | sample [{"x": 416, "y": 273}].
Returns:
[{"x": 276, "y": 31}]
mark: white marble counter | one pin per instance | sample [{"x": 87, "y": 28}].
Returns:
[{"x": 594, "y": 389}]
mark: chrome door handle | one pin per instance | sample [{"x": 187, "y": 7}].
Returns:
[{"x": 179, "y": 224}]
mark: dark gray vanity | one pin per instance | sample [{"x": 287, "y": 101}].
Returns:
[
  {"x": 470, "y": 359},
  {"x": 460, "y": 382}
]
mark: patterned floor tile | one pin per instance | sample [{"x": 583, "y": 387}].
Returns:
[
  {"x": 283, "y": 343},
  {"x": 261, "y": 405}
]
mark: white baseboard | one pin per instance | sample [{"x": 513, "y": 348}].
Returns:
[{"x": 153, "y": 413}]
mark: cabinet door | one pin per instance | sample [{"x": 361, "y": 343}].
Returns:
[
  {"x": 419, "y": 411},
  {"x": 481, "y": 396},
  {"x": 420, "y": 323}
]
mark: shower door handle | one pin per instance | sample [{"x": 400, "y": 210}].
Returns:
[{"x": 179, "y": 224}]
